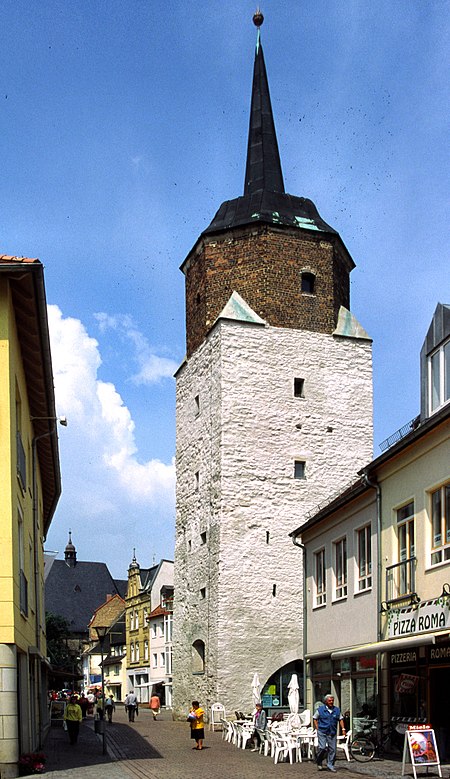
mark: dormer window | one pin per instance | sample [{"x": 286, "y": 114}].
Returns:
[
  {"x": 439, "y": 377},
  {"x": 308, "y": 283}
]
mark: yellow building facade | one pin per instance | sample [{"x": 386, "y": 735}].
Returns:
[{"x": 29, "y": 491}]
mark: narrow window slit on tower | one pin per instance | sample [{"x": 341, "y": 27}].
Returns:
[
  {"x": 299, "y": 469},
  {"x": 299, "y": 388},
  {"x": 203, "y": 537},
  {"x": 267, "y": 536},
  {"x": 308, "y": 282},
  {"x": 274, "y": 590}
]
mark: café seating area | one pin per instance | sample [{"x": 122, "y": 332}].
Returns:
[{"x": 292, "y": 739}]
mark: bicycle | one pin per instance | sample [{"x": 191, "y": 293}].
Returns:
[{"x": 370, "y": 742}]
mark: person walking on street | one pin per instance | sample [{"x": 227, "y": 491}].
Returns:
[
  {"x": 327, "y": 718},
  {"x": 100, "y": 706},
  {"x": 155, "y": 705},
  {"x": 72, "y": 718},
  {"x": 109, "y": 707},
  {"x": 195, "y": 719},
  {"x": 131, "y": 703}
]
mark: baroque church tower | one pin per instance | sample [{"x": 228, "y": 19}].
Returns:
[{"x": 274, "y": 413}]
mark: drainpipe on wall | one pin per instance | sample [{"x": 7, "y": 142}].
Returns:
[
  {"x": 375, "y": 485},
  {"x": 302, "y": 547},
  {"x": 37, "y": 604}
]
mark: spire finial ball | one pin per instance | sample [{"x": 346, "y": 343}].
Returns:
[{"x": 258, "y": 18}]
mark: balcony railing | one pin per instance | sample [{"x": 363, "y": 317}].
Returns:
[
  {"x": 399, "y": 434},
  {"x": 401, "y": 580}
]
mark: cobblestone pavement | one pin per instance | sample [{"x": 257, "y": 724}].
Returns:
[{"x": 163, "y": 750}]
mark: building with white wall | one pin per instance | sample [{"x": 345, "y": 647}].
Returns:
[{"x": 274, "y": 411}]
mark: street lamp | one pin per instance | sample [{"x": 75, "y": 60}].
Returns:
[{"x": 101, "y": 635}]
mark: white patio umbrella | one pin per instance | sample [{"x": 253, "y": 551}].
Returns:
[
  {"x": 293, "y": 694},
  {"x": 256, "y": 689}
]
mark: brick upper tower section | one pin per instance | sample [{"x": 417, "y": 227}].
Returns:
[
  {"x": 265, "y": 264},
  {"x": 273, "y": 248}
]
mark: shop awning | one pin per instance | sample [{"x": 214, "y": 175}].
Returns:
[{"x": 386, "y": 646}]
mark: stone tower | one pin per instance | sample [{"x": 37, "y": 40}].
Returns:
[{"x": 274, "y": 413}]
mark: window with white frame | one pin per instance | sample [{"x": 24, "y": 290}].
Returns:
[
  {"x": 132, "y": 652},
  {"x": 136, "y": 651},
  {"x": 319, "y": 577},
  {"x": 155, "y": 660},
  {"x": 154, "y": 629},
  {"x": 440, "y": 525},
  {"x": 169, "y": 660},
  {"x": 161, "y": 629},
  {"x": 136, "y": 619},
  {"x": 364, "y": 551},
  {"x": 439, "y": 377},
  {"x": 340, "y": 568},
  {"x": 406, "y": 547},
  {"x": 146, "y": 649},
  {"x": 168, "y": 623},
  {"x": 162, "y": 659}
]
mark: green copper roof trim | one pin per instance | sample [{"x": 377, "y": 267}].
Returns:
[
  {"x": 349, "y": 327},
  {"x": 238, "y": 309}
]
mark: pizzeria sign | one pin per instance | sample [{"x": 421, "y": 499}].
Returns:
[{"x": 423, "y": 618}]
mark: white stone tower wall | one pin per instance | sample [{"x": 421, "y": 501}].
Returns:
[{"x": 244, "y": 443}]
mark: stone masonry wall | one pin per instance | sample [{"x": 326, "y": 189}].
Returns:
[{"x": 239, "y": 588}]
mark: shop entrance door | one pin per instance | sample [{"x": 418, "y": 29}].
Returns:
[{"x": 439, "y": 719}]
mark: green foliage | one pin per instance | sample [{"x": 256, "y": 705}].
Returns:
[{"x": 58, "y": 634}]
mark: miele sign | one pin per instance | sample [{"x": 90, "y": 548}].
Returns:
[{"x": 424, "y": 618}]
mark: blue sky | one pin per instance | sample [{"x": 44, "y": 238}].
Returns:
[{"x": 124, "y": 127}]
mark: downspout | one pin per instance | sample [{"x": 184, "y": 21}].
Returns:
[
  {"x": 302, "y": 547},
  {"x": 36, "y": 580},
  {"x": 375, "y": 485}
]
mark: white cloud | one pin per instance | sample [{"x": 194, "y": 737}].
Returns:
[
  {"x": 106, "y": 489},
  {"x": 152, "y": 367}
]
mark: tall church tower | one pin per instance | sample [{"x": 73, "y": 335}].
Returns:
[{"x": 274, "y": 413}]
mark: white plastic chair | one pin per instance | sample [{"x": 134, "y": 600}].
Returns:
[
  {"x": 227, "y": 731},
  {"x": 264, "y": 743},
  {"x": 285, "y": 745},
  {"x": 245, "y": 733},
  {"x": 217, "y": 713},
  {"x": 343, "y": 742},
  {"x": 305, "y": 718}
]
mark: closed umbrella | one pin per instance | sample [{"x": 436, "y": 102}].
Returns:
[
  {"x": 293, "y": 694},
  {"x": 256, "y": 689}
]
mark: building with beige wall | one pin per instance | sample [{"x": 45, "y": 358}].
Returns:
[
  {"x": 149, "y": 589},
  {"x": 30, "y": 487},
  {"x": 396, "y": 628}
]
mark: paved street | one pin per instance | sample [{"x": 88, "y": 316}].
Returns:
[{"x": 163, "y": 750}]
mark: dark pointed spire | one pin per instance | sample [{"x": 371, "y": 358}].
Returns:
[
  {"x": 264, "y": 199},
  {"x": 263, "y": 169}
]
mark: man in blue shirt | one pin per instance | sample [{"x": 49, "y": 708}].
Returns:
[{"x": 327, "y": 718}]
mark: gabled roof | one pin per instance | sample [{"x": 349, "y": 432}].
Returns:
[
  {"x": 26, "y": 278},
  {"x": 237, "y": 308},
  {"x": 75, "y": 592}
]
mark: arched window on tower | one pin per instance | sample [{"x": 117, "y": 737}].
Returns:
[
  {"x": 198, "y": 657},
  {"x": 308, "y": 282}
]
